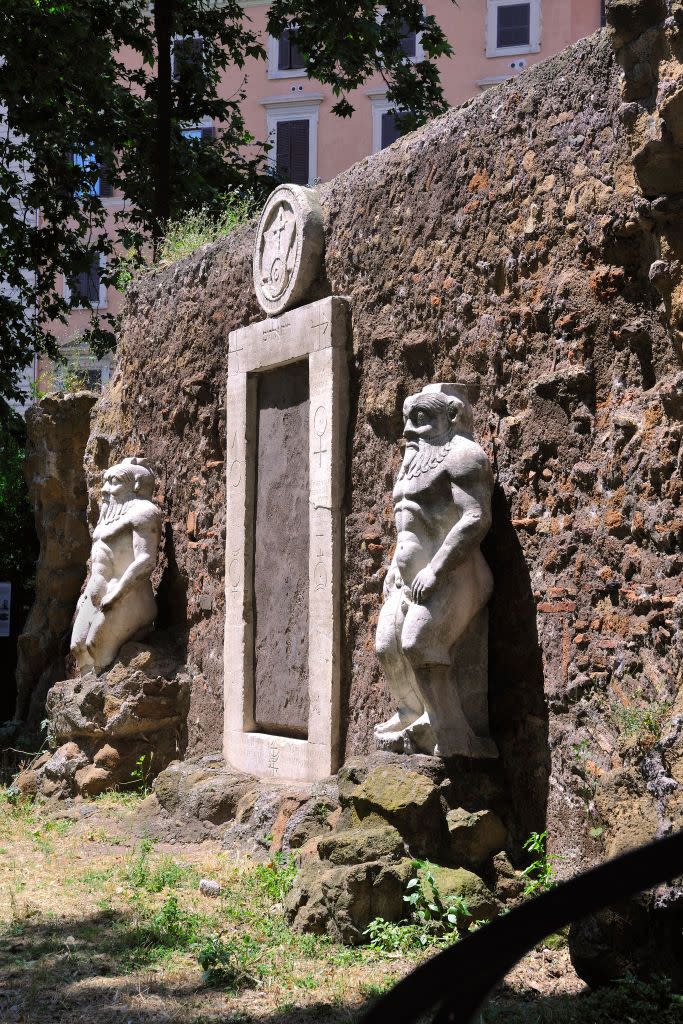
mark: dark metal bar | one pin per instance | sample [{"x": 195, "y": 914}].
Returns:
[{"x": 456, "y": 981}]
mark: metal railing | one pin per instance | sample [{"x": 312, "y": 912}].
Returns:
[{"x": 454, "y": 984}]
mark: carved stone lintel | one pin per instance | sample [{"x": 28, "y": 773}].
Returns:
[
  {"x": 432, "y": 630},
  {"x": 118, "y": 602}
]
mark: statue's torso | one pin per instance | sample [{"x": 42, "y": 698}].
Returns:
[
  {"x": 424, "y": 503},
  {"x": 112, "y": 544}
]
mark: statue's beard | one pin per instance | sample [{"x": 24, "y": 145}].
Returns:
[
  {"x": 112, "y": 510},
  {"x": 429, "y": 453}
]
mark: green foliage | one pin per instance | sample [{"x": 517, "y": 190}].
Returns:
[
  {"x": 199, "y": 227},
  {"x": 170, "y": 927},
  {"x": 541, "y": 872},
  {"x": 276, "y": 878},
  {"x": 232, "y": 964},
  {"x": 88, "y": 109},
  {"x": 642, "y": 721},
  {"x": 432, "y": 920},
  {"x": 164, "y": 873}
]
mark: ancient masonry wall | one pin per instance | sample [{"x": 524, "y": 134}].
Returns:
[{"x": 508, "y": 244}]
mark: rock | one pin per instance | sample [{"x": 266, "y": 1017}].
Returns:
[
  {"x": 341, "y": 901},
  {"x": 65, "y": 762},
  {"x": 510, "y": 884},
  {"x": 90, "y": 781},
  {"x": 463, "y": 884},
  {"x": 474, "y": 836},
  {"x": 358, "y": 845},
  {"x": 107, "y": 757},
  {"x": 641, "y": 936},
  {"x": 209, "y": 887},
  {"x": 313, "y": 819},
  {"x": 57, "y": 432},
  {"x": 407, "y": 800},
  {"x": 205, "y": 788},
  {"x": 26, "y": 782}
]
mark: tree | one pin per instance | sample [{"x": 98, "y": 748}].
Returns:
[{"x": 108, "y": 87}]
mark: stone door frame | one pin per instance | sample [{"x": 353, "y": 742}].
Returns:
[{"x": 316, "y": 332}]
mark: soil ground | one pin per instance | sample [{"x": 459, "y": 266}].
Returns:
[{"x": 96, "y": 923}]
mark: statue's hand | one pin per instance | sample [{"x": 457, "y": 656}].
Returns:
[
  {"x": 389, "y": 582},
  {"x": 424, "y": 585},
  {"x": 108, "y": 600}
]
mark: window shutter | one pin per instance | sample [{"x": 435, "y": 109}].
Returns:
[
  {"x": 292, "y": 151},
  {"x": 296, "y": 60},
  {"x": 208, "y": 133},
  {"x": 105, "y": 189},
  {"x": 289, "y": 56},
  {"x": 88, "y": 283},
  {"x": 513, "y": 25},
  {"x": 187, "y": 55},
  {"x": 299, "y": 153},
  {"x": 282, "y": 136},
  {"x": 390, "y": 129},
  {"x": 408, "y": 41},
  {"x": 283, "y": 51}
]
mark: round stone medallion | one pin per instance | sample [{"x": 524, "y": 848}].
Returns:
[{"x": 288, "y": 248}]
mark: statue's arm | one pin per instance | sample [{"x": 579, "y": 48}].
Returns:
[
  {"x": 471, "y": 488},
  {"x": 145, "y": 543}
]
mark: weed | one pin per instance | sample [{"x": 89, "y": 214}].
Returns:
[
  {"x": 199, "y": 227},
  {"x": 433, "y": 920},
  {"x": 541, "y": 872},
  {"x": 233, "y": 964},
  {"x": 165, "y": 874},
  {"x": 643, "y": 721},
  {"x": 276, "y": 877}
]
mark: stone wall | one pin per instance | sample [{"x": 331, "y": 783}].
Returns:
[
  {"x": 508, "y": 244},
  {"x": 57, "y": 430}
]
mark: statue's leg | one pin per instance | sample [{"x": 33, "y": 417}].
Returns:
[
  {"x": 397, "y": 670},
  {"x": 85, "y": 613},
  {"x": 125, "y": 619},
  {"x": 429, "y": 632}
]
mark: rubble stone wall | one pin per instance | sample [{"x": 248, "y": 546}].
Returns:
[{"x": 528, "y": 243}]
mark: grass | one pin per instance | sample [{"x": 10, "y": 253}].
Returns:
[
  {"x": 91, "y": 917},
  {"x": 185, "y": 236}
]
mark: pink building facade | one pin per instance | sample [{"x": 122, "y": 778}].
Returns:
[{"x": 493, "y": 40}]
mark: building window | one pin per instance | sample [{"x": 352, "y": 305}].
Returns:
[
  {"x": 385, "y": 126},
  {"x": 205, "y": 132},
  {"x": 102, "y": 186},
  {"x": 285, "y": 59},
  {"x": 512, "y": 27},
  {"x": 289, "y": 56},
  {"x": 293, "y": 137},
  {"x": 408, "y": 42},
  {"x": 186, "y": 56},
  {"x": 87, "y": 287}
]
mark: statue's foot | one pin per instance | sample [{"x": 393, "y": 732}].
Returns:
[
  {"x": 395, "y": 724},
  {"x": 391, "y": 741},
  {"x": 419, "y": 737}
]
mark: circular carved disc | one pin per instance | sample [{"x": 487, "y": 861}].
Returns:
[{"x": 288, "y": 248}]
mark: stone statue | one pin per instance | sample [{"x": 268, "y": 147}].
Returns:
[
  {"x": 118, "y": 602},
  {"x": 432, "y": 630}
]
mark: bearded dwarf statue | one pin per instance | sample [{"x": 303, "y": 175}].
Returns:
[
  {"x": 432, "y": 634},
  {"x": 118, "y": 602}
]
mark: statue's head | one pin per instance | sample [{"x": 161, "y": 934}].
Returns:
[
  {"x": 437, "y": 413},
  {"x": 130, "y": 478}
]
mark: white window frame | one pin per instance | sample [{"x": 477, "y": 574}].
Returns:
[
  {"x": 492, "y": 7},
  {"x": 288, "y": 108},
  {"x": 102, "y": 303},
  {"x": 419, "y": 50},
  {"x": 380, "y": 106},
  {"x": 206, "y": 122},
  {"x": 273, "y": 57}
]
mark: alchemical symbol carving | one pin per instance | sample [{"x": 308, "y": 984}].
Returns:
[{"x": 288, "y": 248}]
